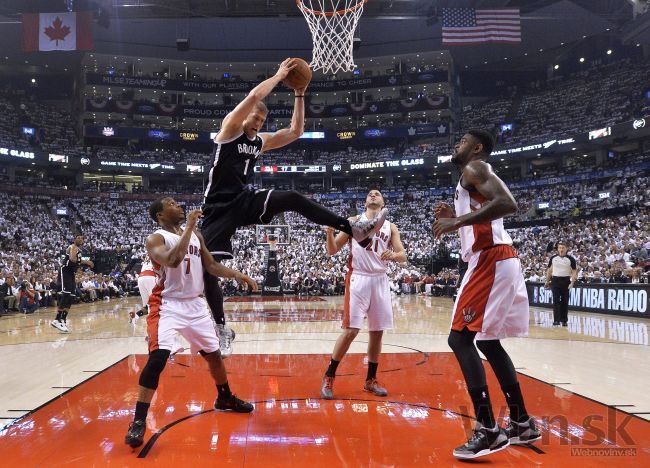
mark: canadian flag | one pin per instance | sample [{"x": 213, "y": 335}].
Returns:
[{"x": 57, "y": 31}]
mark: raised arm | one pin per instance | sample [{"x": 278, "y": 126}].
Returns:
[
  {"x": 287, "y": 135},
  {"x": 334, "y": 244},
  {"x": 398, "y": 252},
  {"x": 231, "y": 126},
  {"x": 172, "y": 257}
]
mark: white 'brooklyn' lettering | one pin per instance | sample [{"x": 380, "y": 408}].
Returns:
[{"x": 248, "y": 149}]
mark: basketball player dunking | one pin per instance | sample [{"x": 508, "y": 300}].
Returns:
[
  {"x": 367, "y": 293},
  {"x": 70, "y": 262},
  {"x": 231, "y": 202},
  {"x": 492, "y": 302},
  {"x": 179, "y": 258}
]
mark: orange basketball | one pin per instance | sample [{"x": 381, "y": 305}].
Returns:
[{"x": 300, "y": 76}]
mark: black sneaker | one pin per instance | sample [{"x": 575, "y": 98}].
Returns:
[
  {"x": 523, "y": 433},
  {"x": 135, "y": 434},
  {"x": 233, "y": 404},
  {"x": 556, "y": 324},
  {"x": 483, "y": 442},
  {"x": 564, "y": 324}
]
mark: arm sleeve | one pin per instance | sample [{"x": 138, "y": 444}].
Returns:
[{"x": 550, "y": 262}]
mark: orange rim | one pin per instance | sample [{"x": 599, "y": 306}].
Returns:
[{"x": 329, "y": 13}]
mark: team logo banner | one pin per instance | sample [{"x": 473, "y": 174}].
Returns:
[{"x": 604, "y": 298}]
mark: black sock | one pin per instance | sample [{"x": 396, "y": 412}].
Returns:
[
  {"x": 64, "y": 315},
  {"x": 59, "y": 314},
  {"x": 281, "y": 201},
  {"x": 331, "y": 370},
  {"x": 224, "y": 391},
  {"x": 482, "y": 406},
  {"x": 515, "y": 401},
  {"x": 141, "y": 410},
  {"x": 372, "y": 370}
]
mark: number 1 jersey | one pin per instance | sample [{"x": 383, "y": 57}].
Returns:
[{"x": 232, "y": 169}]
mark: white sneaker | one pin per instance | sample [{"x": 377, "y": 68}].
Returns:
[
  {"x": 226, "y": 336},
  {"x": 65, "y": 327},
  {"x": 58, "y": 325}
]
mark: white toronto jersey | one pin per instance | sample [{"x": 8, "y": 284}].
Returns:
[
  {"x": 186, "y": 280},
  {"x": 477, "y": 237},
  {"x": 368, "y": 260}
]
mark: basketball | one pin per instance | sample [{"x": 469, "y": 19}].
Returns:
[{"x": 300, "y": 76}]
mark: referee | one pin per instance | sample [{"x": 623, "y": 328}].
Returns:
[{"x": 561, "y": 276}]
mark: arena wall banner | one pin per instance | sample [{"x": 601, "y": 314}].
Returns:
[
  {"x": 311, "y": 110},
  {"x": 438, "y": 76},
  {"x": 602, "y": 298},
  {"x": 438, "y": 129},
  {"x": 587, "y": 176}
]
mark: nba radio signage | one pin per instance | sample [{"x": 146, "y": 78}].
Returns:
[{"x": 606, "y": 298}]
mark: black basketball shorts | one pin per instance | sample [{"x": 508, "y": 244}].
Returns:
[
  {"x": 68, "y": 284},
  {"x": 228, "y": 212}
]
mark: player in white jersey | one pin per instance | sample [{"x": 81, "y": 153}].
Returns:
[
  {"x": 176, "y": 305},
  {"x": 492, "y": 302},
  {"x": 367, "y": 292},
  {"x": 146, "y": 283}
]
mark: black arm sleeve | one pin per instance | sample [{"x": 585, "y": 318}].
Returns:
[{"x": 550, "y": 262}]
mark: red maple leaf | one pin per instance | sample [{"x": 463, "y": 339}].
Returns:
[{"x": 57, "y": 33}]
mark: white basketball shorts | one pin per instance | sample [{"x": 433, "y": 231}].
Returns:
[
  {"x": 189, "y": 317},
  {"x": 367, "y": 296}
]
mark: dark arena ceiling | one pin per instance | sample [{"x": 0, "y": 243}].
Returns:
[{"x": 270, "y": 30}]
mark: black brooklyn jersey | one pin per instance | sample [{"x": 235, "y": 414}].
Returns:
[
  {"x": 68, "y": 265},
  {"x": 233, "y": 165}
]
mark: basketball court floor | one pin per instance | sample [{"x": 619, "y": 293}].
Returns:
[{"x": 68, "y": 399}]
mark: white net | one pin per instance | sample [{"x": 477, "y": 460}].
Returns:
[{"x": 332, "y": 24}]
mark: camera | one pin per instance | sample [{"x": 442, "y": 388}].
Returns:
[{"x": 23, "y": 286}]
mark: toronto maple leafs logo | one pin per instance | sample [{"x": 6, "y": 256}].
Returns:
[
  {"x": 468, "y": 315},
  {"x": 373, "y": 108},
  {"x": 411, "y": 131},
  {"x": 58, "y": 31},
  {"x": 392, "y": 80}
]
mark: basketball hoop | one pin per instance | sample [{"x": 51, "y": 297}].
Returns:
[{"x": 332, "y": 24}]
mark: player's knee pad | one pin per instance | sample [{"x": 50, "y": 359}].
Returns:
[
  {"x": 460, "y": 340},
  {"x": 151, "y": 373},
  {"x": 490, "y": 348}
]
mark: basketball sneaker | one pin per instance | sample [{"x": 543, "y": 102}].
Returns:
[
  {"x": 483, "y": 442},
  {"x": 58, "y": 325},
  {"x": 362, "y": 230},
  {"x": 327, "y": 388},
  {"x": 226, "y": 337},
  {"x": 523, "y": 433},
  {"x": 233, "y": 404},
  {"x": 373, "y": 387},
  {"x": 135, "y": 434},
  {"x": 65, "y": 327}
]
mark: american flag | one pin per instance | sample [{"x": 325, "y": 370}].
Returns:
[{"x": 468, "y": 26}]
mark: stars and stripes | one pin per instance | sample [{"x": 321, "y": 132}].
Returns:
[{"x": 470, "y": 26}]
